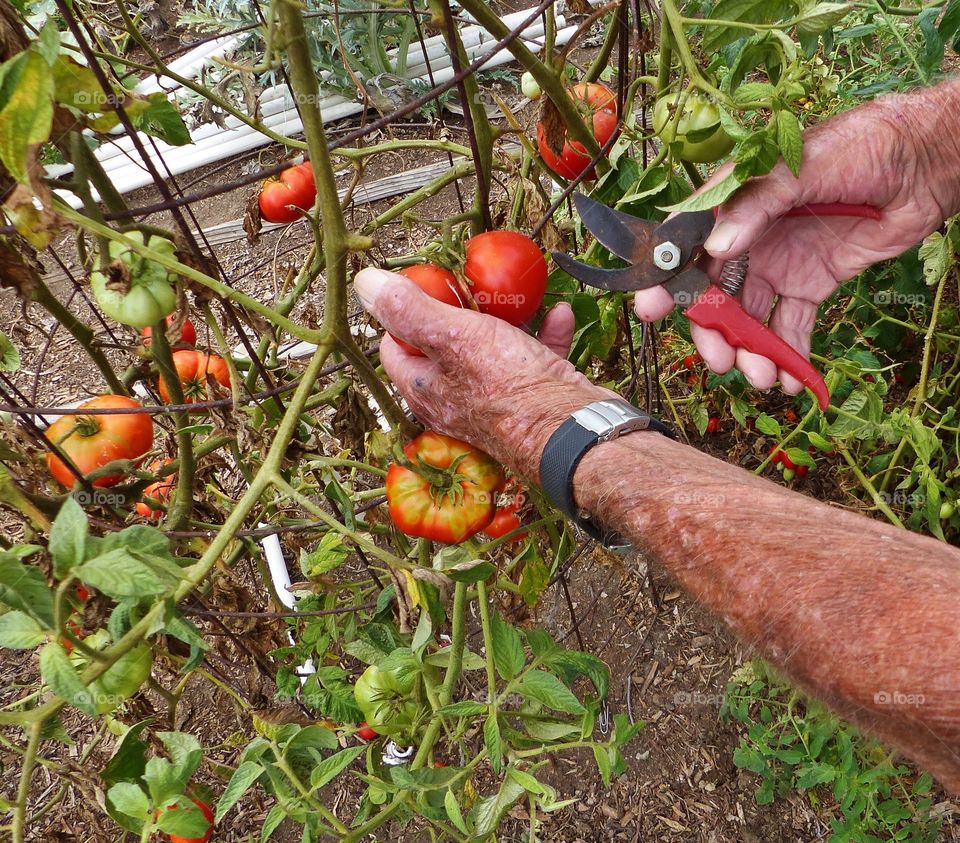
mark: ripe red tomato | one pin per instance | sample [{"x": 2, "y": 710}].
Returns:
[
  {"x": 82, "y": 592},
  {"x": 207, "y": 813},
  {"x": 192, "y": 368},
  {"x": 188, "y": 334},
  {"x": 599, "y": 104},
  {"x": 92, "y": 441},
  {"x": 506, "y": 520},
  {"x": 159, "y": 491},
  {"x": 713, "y": 424},
  {"x": 507, "y": 275},
  {"x": 285, "y": 198},
  {"x": 438, "y": 283},
  {"x": 450, "y": 492},
  {"x": 366, "y": 732}
]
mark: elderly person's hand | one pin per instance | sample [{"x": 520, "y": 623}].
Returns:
[
  {"x": 900, "y": 154},
  {"x": 482, "y": 380}
]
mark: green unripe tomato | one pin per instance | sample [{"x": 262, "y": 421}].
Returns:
[
  {"x": 136, "y": 291},
  {"x": 947, "y": 508},
  {"x": 385, "y": 697},
  {"x": 124, "y": 677},
  {"x": 699, "y": 113},
  {"x": 529, "y": 86}
]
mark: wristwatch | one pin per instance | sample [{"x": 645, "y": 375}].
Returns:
[{"x": 601, "y": 421}]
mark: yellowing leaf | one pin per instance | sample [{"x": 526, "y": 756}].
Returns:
[{"x": 26, "y": 118}]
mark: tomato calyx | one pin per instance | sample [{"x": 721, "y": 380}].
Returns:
[{"x": 444, "y": 483}]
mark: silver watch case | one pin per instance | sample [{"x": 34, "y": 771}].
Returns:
[{"x": 611, "y": 418}]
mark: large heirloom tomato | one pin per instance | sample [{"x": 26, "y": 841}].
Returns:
[
  {"x": 597, "y": 103},
  {"x": 134, "y": 290},
  {"x": 192, "y": 369},
  {"x": 385, "y": 695},
  {"x": 93, "y": 441},
  {"x": 448, "y": 494},
  {"x": 438, "y": 283},
  {"x": 699, "y": 114},
  {"x": 507, "y": 275}
]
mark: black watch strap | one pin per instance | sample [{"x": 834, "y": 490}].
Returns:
[{"x": 571, "y": 441}]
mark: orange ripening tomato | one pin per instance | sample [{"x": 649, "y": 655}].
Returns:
[
  {"x": 448, "y": 494},
  {"x": 596, "y": 102},
  {"x": 285, "y": 198},
  {"x": 438, "y": 283},
  {"x": 92, "y": 441},
  {"x": 159, "y": 491},
  {"x": 208, "y": 815},
  {"x": 188, "y": 334},
  {"x": 193, "y": 367}
]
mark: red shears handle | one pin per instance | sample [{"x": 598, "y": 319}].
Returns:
[{"x": 715, "y": 309}]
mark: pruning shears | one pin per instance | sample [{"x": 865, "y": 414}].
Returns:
[{"x": 670, "y": 253}]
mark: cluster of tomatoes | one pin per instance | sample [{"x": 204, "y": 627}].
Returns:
[{"x": 93, "y": 441}]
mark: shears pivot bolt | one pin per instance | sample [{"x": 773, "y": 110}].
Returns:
[{"x": 666, "y": 255}]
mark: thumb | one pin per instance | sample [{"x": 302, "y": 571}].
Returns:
[
  {"x": 407, "y": 312},
  {"x": 752, "y": 211}
]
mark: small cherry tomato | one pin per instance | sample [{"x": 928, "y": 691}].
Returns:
[
  {"x": 598, "y": 104},
  {"x": 93, "y": 441},
  {"x": 82, "y": 592},
  {"x": 529, "y": 86},
  {"x": 506, "y": 520},
  {"x": 366, "y": 732},
  {"x": 188, "y": 334},
  {"x": 802, "y": 471},
  {"x": 713, "y": 424},
  {"x": 438, "y": 283},
  {"x": 790, "y": 415},
  {"x": 159, "y": 491},
  {"x": 285, "y": 198}
]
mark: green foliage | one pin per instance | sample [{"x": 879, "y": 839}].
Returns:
[{"x": 795, "y": 744}]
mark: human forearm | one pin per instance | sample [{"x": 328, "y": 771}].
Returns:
[{"x": 860, "y": 614}]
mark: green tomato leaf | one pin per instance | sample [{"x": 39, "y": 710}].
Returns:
[
  {"x": 488, "y": 812},
  {"x": 547, "y": 689},
  {"x": 756, "y": 156},
  {"x": 24, "y": 587},
  {"x": 328, "y": 555},
  {"x": 184, "y": 819},
  {"x": 753, "y": 92},
  {"x": 18, "y": 631},
  {"x": 709, "y": 197},
  {"x": 790, "y": 140},
  {"x": 508, "y": 655},
  {"x": 328, "y": 769},
  {"x": 767, "y": 425},
  {"x": 119, "y": 575},
  {"x": 161, "y": 119},
  {"x": 129, "y": 799},
  {"x": 492, "y": 742},
  {"x": 59, "y": 673},
  {"x": 821, "y": 17},
  {"x": 240, "y": 782},
  {"x": 464, "y": 708},
  {"x": 452, "y": 808},
  {"x": 9, "y": 355},
  {"x": 67, "y": 537},
  {"x": 27, "y": 116}
]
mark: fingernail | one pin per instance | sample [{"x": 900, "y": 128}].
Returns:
[
  {"x": 722, "y": 237},
  {"x": 367, "y": 284}
]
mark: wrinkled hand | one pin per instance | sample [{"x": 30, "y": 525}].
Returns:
[
  {"x": 895, "y": 154},
  {"x": 482, "y": 380}
]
